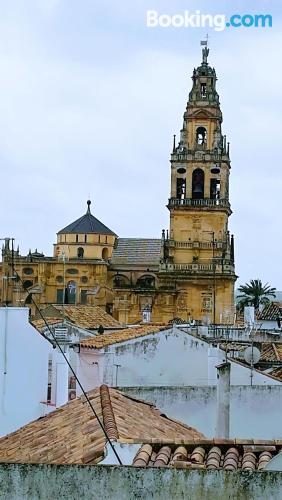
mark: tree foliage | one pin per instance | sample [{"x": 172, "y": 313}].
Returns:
[{"x": 254, "y": 294}]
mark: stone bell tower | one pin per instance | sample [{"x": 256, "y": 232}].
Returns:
[{"x": 198, "y": 252}]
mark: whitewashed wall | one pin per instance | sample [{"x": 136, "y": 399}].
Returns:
[
  {"x": 269, "y": 325},
  {"x": 255, "y": 412},
  {"x": 169, "y": 358},
  {"x": 23, "y": 369}
]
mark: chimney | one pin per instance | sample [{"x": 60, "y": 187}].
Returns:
[{"x": 223, "y": 400}]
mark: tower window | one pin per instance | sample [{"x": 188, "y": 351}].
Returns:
[
  {"x": 203, "y": 90},
  {"x": 85, "y": 238},
  {"x": 105, "y": 254},
  {"x": 198, "y": 184},
  {"x": 80, "y": 253},
  {"x": 76, "y": 238},
  {"x": 201, "y": 135},
  {"x": 180, "y": 188},
  {"x": 215, "y": 189}
]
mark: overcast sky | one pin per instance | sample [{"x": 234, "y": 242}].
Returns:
[{"x": 90, "y": 99}]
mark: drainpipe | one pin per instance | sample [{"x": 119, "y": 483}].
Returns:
[{"x": 223, "y": 401}]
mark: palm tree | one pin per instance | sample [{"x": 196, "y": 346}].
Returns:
[{"x": 254, "y": 294}]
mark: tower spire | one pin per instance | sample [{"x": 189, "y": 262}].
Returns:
[{"x": 88, "y": 207}]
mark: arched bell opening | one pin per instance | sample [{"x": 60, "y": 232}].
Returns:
[
  {"x": 198, "y": 184},
  {"x": 201, "y": 136}
]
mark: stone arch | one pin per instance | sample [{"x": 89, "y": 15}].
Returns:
[
  {"x": 198, "y": 184},
  {"x": 105, "y": 253},
  {"x": 121, "y": 281},
  {"x": 146, "y": 281},
  {"x": 201, "y": 135},
  {"x": 80, "y": 252}
]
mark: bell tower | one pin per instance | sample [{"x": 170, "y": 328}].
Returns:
[{"x": 198, "y": 252}]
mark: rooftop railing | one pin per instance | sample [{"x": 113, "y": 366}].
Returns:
[{"x": 203, "y": 202}]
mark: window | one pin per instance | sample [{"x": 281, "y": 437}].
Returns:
[
  {"x": 76, "y": 238},
  {"x": 70, "y": 295},
  {"x": 180, "y": 188},
  {"x": 201, "y": 135},
  {"x": 85, "y": 238},
  {"x": 83, "y": 296},
  {"x": 60, "y": 296},
  {"x": 27, "y": 270},
  {"x": 198, "y": 184},
  {"x": 72, "y": 271},
  {"x": 215, "y": 189},
  {"x": 203, "y": 90},
  {"x": 105, "y": 253},
  {"x": 146, "y": 281},
  {"x": 50, "y": 372},
  {"x": 121, "y": 281},
  {"x": 80, "y": 253}
]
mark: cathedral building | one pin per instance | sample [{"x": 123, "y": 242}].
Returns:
[{"x": 188, "y": 273}]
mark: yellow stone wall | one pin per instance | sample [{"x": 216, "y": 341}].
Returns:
[{"x": 95, "y": 246}]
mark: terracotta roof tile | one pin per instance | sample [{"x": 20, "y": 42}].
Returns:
[
  {"x": 270, "y": 312},
  {"x": 71, "y": 434},
  {"x": 88, "y": 317},
  {"x": 100, "y": 341},
  {"x": 208, "y": 454}
]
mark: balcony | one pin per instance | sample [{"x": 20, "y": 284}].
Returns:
[
  {"x": 217, "y": 267},
  {"x": 201, "y": 203},
  {"x": 205, "y": 155},
  {"x": 196, "y": 244}
]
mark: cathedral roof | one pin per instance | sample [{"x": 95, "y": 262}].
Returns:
[
  {"x": 137, "y": 251},
  {"x": 87, "y": 224}
]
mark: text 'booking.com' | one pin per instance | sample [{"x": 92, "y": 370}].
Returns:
[{"x": 218, "y": 22}]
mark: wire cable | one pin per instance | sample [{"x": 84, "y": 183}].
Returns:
[{"x": 14, "y": 272}]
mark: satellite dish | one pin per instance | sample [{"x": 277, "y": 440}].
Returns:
[
  {"x": 252, "y": 355},
  {"x": 275, "y": 463}
]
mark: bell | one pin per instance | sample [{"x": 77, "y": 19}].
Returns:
[{"x": 198, "y": 189}]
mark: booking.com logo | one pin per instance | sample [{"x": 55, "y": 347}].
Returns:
[{"x": 198, "y": 20}]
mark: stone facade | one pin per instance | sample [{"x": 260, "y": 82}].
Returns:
[{"x": 188, "y": 273}]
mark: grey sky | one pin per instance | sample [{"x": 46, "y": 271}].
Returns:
[{"x": 90, "y": 99}]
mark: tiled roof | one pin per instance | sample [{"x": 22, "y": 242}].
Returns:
[
  {"x": 270, "y": 312},
  {"x": 87, "y": 224},
  {"x": 277, "y": 372},
  {"x": 100, "y": 341},
  {"x": 137, "y": 251},
  {"x": 88, "y": 317},
  {"x": 71, "y": 434},
  {"x": 40, "y": 325},
  {"x": 209, "y": 454},
  {"x": 271, "y": 352}
]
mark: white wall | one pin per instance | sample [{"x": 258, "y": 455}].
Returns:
[
  {"x": 269, "y": 325},
  {"x": 23, "y": 369},
  {"x": 171, "y": 357},
  {"x": 255, "y": 412}
]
